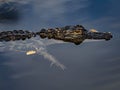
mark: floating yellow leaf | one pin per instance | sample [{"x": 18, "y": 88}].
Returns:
[
  {"x": 93, "y": 30},
  {"x": 30, "y": 52}
]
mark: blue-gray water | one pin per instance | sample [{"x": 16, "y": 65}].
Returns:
[{"x": 89, "y": 66}]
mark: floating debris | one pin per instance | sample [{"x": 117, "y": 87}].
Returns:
[{"x": 31, "y": 52}]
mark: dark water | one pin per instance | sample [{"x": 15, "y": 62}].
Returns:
[{"x": 93, "y": 65}]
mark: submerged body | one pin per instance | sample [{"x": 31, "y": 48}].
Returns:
[{"x": 75, "y": 34}]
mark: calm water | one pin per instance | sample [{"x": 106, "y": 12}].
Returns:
[{"x": 93, "y": 65}]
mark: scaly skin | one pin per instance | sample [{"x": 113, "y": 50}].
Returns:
[{"x": 75, "y": 34}]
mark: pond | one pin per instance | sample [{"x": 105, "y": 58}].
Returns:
[{"x": 92, "y": 65}]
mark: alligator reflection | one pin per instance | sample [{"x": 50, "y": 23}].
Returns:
[{"x": 75, "y": 34}]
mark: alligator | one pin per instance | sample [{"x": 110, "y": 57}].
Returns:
[{"x": 74, "y": 34}]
